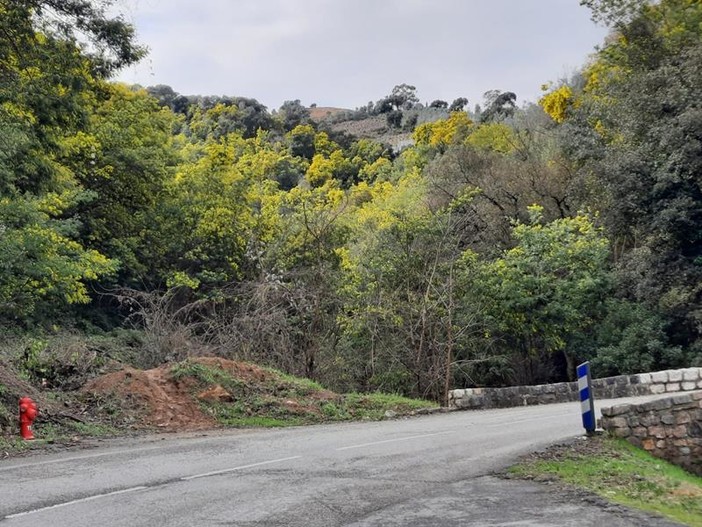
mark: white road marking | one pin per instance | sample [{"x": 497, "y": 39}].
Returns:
[
  {"x": 394, "y": 440},
  {"x": 227, "y": 470},
  {"x": 528, "y": 420},
  {"x": 79, "y": 458},
  {"x": 74, "y": 502},
  {"x": 93, "y": 455}
]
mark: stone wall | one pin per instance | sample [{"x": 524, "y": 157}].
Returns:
[
  {"x": 607, "y": 388},
  {"x": 669, "y": 428}
]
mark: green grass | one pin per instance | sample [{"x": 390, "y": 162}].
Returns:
[
  {"x": 268, "y": 412},
  {"x": 279, "y": 399},
  {"x": 259, "y": 421},
  {"x": 48, "y": 433},
  {"x": 205, "y": 375},
  {"x": 94, "y": 429},
  {"x": 624, "y": 474},
  {"x": 374, "y": 405},
  {"x": 300, "y": 385},
  {"x": 51, "y": 432},
  {"x": 13, "y": 444},
  {"x": 255, "y": 412},
  {"x": 335, "y": 411}
]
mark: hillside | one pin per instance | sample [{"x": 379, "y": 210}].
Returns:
[
  {"x": 321, "y": 113},
  {"x": 363, "y": 125},
  {"x": 373, "y": 127}
]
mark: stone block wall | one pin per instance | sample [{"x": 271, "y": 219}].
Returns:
[
  {"x": 669, "y": 428},
  {"x": 668, "y": 381}
]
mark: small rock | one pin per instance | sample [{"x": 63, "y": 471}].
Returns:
[
  {"x": 389, "y": 414},
  {"x": 216, "y": 394}
]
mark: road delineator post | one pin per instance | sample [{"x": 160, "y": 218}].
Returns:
[{"x": 587, "y": 400}]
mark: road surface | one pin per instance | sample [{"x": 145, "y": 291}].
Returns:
[{"x": 425, "y": 471}]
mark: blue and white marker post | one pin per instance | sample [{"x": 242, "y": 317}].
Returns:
[{"x": 587, "y": 400}]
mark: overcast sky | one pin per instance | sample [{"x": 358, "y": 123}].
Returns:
[{"x": 347, "y": 52}]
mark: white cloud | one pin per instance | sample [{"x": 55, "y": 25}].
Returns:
[{"x": 346, "y": 52}]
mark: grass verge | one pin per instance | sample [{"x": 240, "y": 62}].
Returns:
[
  {"x": 66, "y": 433},
  {"x": 257, "y": 410},
  {"x": 621, "y": 473}
]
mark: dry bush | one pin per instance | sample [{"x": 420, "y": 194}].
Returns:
[
  {"x": 173, "y": 328},
  {"x": 288, "y": 324}
]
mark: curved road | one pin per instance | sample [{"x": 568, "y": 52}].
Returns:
[{"x": 425, "y": 471}]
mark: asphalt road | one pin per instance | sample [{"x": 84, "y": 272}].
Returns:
[{"x": 425, "y": 471}]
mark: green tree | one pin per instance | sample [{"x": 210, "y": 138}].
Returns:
[
  {"x": 445, "y": 132},
  {"x": 293, "y": 114},
  {"x": 215, "y": 117},
  {"x": 47, "y": 88},
  {"x": 543, "y": 292},
  {"x": 613, "y": 12},
  {"x": 629, "y": 339},
  {"x": 302, "y": 141},
  {"x": 304, "y": 259},
  {"x": 636, "y": 130},
  {"x": 205, "y": 220},
  {"x": 458, "y": 105},
  {"x": 403, "y": 323},
  {"x": 44, "y": 268},
  {"x": 498, "y": 106},
  {"x": 125, "y": 158},
  {"x": 167, "y": 96},
  {"x": 113, "y": 40},
  {"x": 394, "y": 119},
  {"x": 403, "y": 97}
]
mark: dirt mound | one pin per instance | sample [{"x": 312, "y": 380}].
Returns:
[
  {"x": 206, "y": 392},
  {"x": 163, "y": 402}
]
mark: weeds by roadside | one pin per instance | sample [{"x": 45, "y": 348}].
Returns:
[
  {"x": 83, "y": 392},
  {"x": 620, "y": 473},
  {"x": 264, "y": 397}
]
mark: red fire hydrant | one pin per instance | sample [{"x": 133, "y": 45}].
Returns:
[{"x": 28, "y": 413}]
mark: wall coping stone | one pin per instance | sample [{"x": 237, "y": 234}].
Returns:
[
  {"x": 682, "y": 399},
  {"x": 661, "y": 376},
  {"x": 616, "y": 410},
  {"x": 647, "y": 383},
  {"x": 691, "y": 374}
]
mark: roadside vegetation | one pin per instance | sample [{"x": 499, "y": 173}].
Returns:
[
  {"x": 269, "y": 398},
  {"x": 620, "y": 473},
  {"x": 196, "y": 394}
]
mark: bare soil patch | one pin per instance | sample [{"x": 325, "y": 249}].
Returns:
[
  {"x": 320, "y": 113},
  {"x": 162, "y": 401}
]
